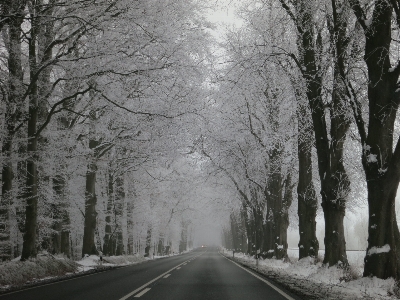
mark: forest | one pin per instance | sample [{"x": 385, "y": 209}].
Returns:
[{"x": 126, "y": 123}]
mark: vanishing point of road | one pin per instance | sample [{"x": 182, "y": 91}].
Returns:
[{"x": 201, "y": 274}]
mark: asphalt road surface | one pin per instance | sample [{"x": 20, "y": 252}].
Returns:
[{"x": 202, "y": 274}]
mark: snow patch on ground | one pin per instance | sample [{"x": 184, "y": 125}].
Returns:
[
  {"x": 314, "y": 280},
  {"x": 44, "y": 267},
  {"x": 377, "y": 250}
]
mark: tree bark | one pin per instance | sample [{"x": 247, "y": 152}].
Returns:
[
  {"x": 381, "y": 164},
  {"x": 307, "y": 199},
  {"x": 334, "y": 181},
  {"x": 148, "y": 242},
  {"x": 89, "y": 246},
  {"x": 108, "y": 235},
  {"x": 90, "y": 222},
  {"x": 29, "y": 245},
  {"x": 119, "y": 207},
  {"x": 12, "y": 112},
  {"x": 129, "y": 216}
]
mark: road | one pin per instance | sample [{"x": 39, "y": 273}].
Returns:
[{"x": 201, "y": 274}]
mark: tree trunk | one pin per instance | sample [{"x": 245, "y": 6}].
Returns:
[
  {"x": 12, "y": 111},
  {"x": 382, "y": 258},
  {"x": 381, "y": 164},
  {"x": 282, "y": 221},
  {"x": 275, "y": 242},
  {"x": 307, "y": 199},
  {"x": 29, "y": 245},
  {"x": 148, "y": 242},
  {"x": 119, "y": 207},
  {"x": 89, "y": 246},
  {"x": 129, "y": 216},
  {"x": 334, "y": 181},
  {"x": 61, "y": 225},
  {"x": 108, "y": 235}
]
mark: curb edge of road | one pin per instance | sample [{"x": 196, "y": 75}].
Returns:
[{"x": 280, "y": 285}]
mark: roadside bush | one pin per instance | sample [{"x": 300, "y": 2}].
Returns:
[{"x": 21, "y": 272}]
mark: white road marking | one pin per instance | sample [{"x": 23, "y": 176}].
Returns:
[
  {"x": 184, "y": 264},
  {"x": 262, "y": 279},
  {"x": 151, "y": 281},
  {"x": 178, "y": 268},
  {"x": 166, "y": 276},
  {"x": 142, "y": 293}
]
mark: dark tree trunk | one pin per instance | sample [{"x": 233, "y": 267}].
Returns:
[
  {"x": 56, "y": 227},
  {"x": 29, "y": 245},
  {"x": 238, "y": 232},
  {"x": 276, "y": 237},
  {"x": 249, "y": 229},
  {"x": 12, "y": 111},
  {"x": 307, "y": 199},
  {"x": 334, "y": 181},
  {"x": 89, "y": 246},
  {"x": 148, "y": 242},
  {"x": 282, "y": 221},
  {"x": 243, "y": 241},
  {"x": 90, "y": 222},
  {"x": 257, "y": 227},
  {"x": 381, "y": 164},
  {"x": 61, "y": 225}
]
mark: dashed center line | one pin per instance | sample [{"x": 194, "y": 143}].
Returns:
[
  {"x": 166, "y": 276},
  {"x": 142, "y": 293}
]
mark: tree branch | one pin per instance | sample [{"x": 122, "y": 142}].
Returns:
[{"x": 359, "y": 12}]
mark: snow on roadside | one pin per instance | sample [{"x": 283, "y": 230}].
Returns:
[
  {"x": 46, "y": 267},
  {"x": 16, "y": 272},
  {"x": 317, "y": 281},
  {"x": 93, "y": 261}
]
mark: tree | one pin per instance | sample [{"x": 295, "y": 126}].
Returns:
[
  {"x": 328, "y": 140},
  {"x": 380, "y": 157},
  {"x": 12, "y": 96}
]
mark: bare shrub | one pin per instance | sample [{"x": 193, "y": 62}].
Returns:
[{"x": 21, "y": 272}]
